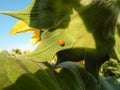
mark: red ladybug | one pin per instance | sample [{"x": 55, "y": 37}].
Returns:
[{"x": 61, "y": 42}]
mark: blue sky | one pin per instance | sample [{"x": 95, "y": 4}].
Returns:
[{"x": 6, "y": 23}]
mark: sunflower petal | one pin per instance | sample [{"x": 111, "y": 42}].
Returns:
[
  {"x": 35, "y": 37},
  {"x": 20, "y": 27}
]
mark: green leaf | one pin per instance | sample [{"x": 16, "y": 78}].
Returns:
[
  {"x": 4, "y": 80},
  {"x": 72, "y": 69},
  {"x": 22, "y": 75},
  {"x": 43, "y": 73},
  {"x": 30, "y": 75},
  {"x": 72, "y": 37},
  {"x": 89, "y": 80},
  {"x": 115, "y": 53},
  {"x": 109, "y": 83},
  {"x": 19, "y": 75},
  {"x": 45, "y": 14}
]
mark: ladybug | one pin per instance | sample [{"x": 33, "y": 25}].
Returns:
[{"x": 61, "y": 42}]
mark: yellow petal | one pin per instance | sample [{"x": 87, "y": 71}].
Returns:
[
  {"x": 19, "y": 27},
  {"x": 35, "y": 37}
]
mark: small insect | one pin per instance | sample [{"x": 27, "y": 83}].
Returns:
[{"x": 61, "y": 42}]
